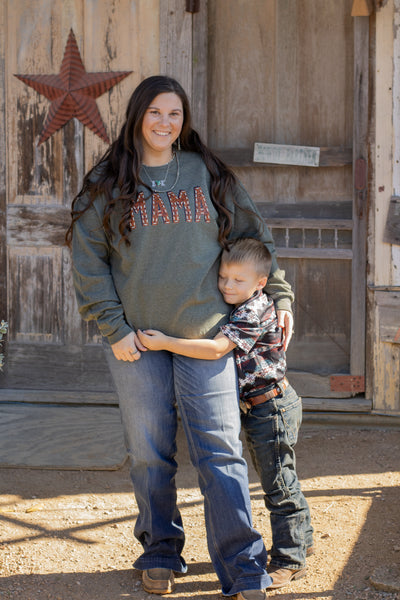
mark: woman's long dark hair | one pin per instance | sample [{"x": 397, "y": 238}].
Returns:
[{"x": 120, "y": 165}]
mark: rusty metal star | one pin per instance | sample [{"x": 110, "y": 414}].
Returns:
[{"x": 73, "y": 92}]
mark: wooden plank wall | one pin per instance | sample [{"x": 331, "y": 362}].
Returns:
[
  {"x": 3, "y": 169},
  {"x": 360, "y": 193},
  {"x": 380, "y": 254},
  {"x": 46, "y": 334}
]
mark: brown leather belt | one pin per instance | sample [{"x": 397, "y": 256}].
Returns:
[{"x": 278, "y": 389}]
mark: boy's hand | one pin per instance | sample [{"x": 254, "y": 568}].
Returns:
[
  {"x": 152, "y": 339},
  {"x": 285, "y": 320}
]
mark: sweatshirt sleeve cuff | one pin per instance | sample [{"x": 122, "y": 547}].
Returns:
[
  {"x": 119, "y": 335},
  {"x": 283, "y": 304}
]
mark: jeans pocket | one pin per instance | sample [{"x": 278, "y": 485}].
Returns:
[{"x": 290, "y": 409}]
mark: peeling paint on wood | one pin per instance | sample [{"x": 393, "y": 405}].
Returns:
[{"x": 41, "y": 225}]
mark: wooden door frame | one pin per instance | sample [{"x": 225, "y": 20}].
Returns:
[
  {"x": 3, "y": 170},
  {"x": 360, "y": 195}
]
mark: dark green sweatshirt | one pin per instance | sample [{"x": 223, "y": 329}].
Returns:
[{"x": 167, "y": 278}]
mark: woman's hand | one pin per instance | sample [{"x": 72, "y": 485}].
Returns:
[
  {"x": 285, "y": 320},
  {"x": 152, "y": 339},
  {"x": 128, "y": 348}
]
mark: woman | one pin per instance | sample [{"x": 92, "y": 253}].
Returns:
[{"x": 147, "y": 230}]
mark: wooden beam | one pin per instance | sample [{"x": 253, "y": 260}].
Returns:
[
  {"x": 314, "y": 385},
  {"x": 70, "y": 397},
  {"x": 282, "y": 222},
  {"x": 335, "y": 157},
  {"x": 176, "y": 43},
  {"x": 310, "y": 210},
  {"x": 315, "y": 253},
  {"x": 200, "y": 70},
  {"x": 360, "y": 194},
  {"x": 369, "y": 420},
  {"x": 243, "y": 157},
  {"x": 3, "y": 165},
  {"x": 336, "y": 405}
]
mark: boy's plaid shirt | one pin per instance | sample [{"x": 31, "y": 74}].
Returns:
[{"x": 260, "y": 358}]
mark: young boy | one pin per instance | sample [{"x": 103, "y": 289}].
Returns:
[{"x": 270, "y": 408}]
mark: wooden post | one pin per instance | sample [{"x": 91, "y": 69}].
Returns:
[
  {"x": 200, "y": 70},
  {"x": 396, "y": 135},
  {"x": 360, "y": 194},
  {"x": 3, "y": 180}
]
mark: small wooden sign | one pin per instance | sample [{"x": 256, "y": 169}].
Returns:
[
  {"x": 305, "y": 156},
  {"x": 392, "y": 229}
]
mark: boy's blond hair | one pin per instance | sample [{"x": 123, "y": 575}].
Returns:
[{"x": 251, "y": 250}]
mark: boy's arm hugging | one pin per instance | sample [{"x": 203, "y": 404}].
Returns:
[{"x": 199, "y": 348}]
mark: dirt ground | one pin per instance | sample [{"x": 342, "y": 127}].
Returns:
[{"x": 68, "y": 535}]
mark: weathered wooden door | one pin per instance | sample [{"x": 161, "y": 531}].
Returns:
[
  {"x": 296, "y": 73},
  {"x": 276, "y": 71},
  {"x": 51, "y": 354}
]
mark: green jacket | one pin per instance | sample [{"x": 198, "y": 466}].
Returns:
[{"x": 167, "y": 278}]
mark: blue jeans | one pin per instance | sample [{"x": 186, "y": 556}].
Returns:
[
  {"x": 206, "y": 394},
  {"x": 271, "y": 431}
]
